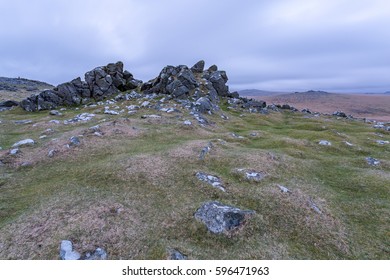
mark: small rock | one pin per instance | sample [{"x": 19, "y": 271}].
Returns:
[
  {"x": 283, "y": 189},
  {"x": 14, "y": 151},
  {"x": 95, "y": 128},
  {"x": 52, "y": 153},
  {"x": 55, "y": 113},
  {"x": 220, "y": 218},
  {"x": 187, "y": 122},
  {"x": 98, "y": 254},
  {"x": 176, "y": 255},
  {"x": 348, "y": 144},
  {"x": 55, "y": 121},
  {"x": 325, "y": 143},
  {"x": 42, "y": 136},
  {"x": 74, "y": 141},
  {"x": 110, "y": 112},
  {"x": 25, "y": 142},
  {"x": 145, "y": 104},
  {"x": 132, "y": 107},
  {"x": 210, "y": 179},
  {"x": 23, "y": 122},
  {"x": 372, "y": 161},
  {"x": 151, "y": 117},
  {"x": 339, "y": 114},
  {"x": 66, "y": 251},
  {"x": 314, "y": 207},
  {"x": 253, "y": 134},
  {"x": 26, "y": 164},
  {"x": 381, "y": 142},
  {"x": 237, "y": 136},
  {"x": 251, "y": 175}
]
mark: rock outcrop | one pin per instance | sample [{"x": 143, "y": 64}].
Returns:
[
  {"x": 220, "y": 218},
  {"x": 99, "y": 83}
]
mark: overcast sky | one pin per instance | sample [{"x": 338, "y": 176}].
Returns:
[{"x": 289, "y": 45}]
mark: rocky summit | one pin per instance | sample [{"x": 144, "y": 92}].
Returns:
[{"x": 179, "y": 167}]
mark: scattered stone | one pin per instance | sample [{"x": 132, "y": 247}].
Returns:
[
  {"x": 210, "y": 179},
  {"x": 25, "y": 142},
  {"x": 52, "y": 153},
  {"x": 132, "y": 107},
  {"x": 150, "y": 117},
  {"x": 251, "y": 175},
  {"x": 348, "y": 144},
  {"x": 325, "y": 143},
  {"x": 13, "y": 152},
  {"x": 95, "y": 128},
  {"x": 23, "y": 122},
  {"x": 74, "y": 141},
  {"x": 314, "y": 207},
  {"x": 80, "y": 117},
  {"x": 382, "y": 142},
  {"x": 176, "y": 255},
  {"x": 66, "y": 251},
  {"x": 253, "y": 134},
  {"x": 220, "y": 218},
  {"x": 26, "y": 164},
  {"x": 339, "y": 114},
  {"x": 224, "y": 117},
  {"x": 205, "y": 151},
  {"x": 372, "y": 161},
  {"x": 55, "y": 113},
  {"x": 98, "y": 254},
  {"x": 187, "y": 122},
  {"x": 110, "y": 112},
  {"x": 283, "y": 189},
  {"x": 55, "y": 121},
  {"x": 145, "y": 104},
  {"x": 237, "y": 136}
]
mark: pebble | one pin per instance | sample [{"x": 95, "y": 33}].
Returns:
[{"x": 187, "y": 122}]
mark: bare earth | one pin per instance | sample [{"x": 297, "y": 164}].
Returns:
[{"x": 376, "y": 107}]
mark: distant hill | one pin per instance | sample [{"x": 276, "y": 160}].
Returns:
[
  {"x": 20, "y": 88},
  {"x": 257, "y": 92}
]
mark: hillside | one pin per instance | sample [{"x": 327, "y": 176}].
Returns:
[
  {"x": 371, "y": 106},
  {"x": 140, "y": 174},
  {"x": 20, "y": 88}
]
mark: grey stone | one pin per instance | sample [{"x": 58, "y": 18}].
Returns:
[
  {"x": 237, "y": 136},
  {"x": 325, "y": 143},
  {"x": 372, "y": 161},
  {"x": 74, "y": 141},
  {"x": 98, "y": 254},
  {"x": 66, "y": 251},
  {"x": 151, "y": 117},
  {"x": 251, "y": 175},
  {"x": 14, "y": 151},
  {"x": 198, "y": 67},
  {"x": 187, "y": 122},
  {"x": 52, "y": 153},
  {"x": 218, "y": 80},
  {"x": 23, "y": 122},
  {"x": 25, "y": 142},
  {"x": 314, "y": 207},
  {"x": 110, "y": 112},
  {"x": 176, "y": 255},
  {"x": 382, "y": 142},
  {"x": 220, "y": 218},
  {"x": 204, "y": 105},
  {"x": 8, "y": 104},
  {"x": 210, "y": 179},
  {"x": 55, "y": 113},
  {"x": 339, "y": 114},
  {"x": 283, "y": 189}
]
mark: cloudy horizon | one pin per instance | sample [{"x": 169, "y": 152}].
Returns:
[{"x": 280, "y": 45}]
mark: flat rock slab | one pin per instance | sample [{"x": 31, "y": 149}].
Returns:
[
  {"x": 325, "y": 143},
  {"x": 220, "y": 218}
]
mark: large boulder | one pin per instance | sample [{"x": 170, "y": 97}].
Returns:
[
  {"x": 100, "y": 83},
  {"x": 6, "y": 105},
  {"x": 220, "y": 218}
]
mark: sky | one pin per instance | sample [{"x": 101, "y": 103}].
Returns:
[{"x": 280, "y": 45}]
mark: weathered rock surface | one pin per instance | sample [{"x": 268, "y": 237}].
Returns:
[
  {"x": 8, "y": 104},
  {"x": 66, "y": 251},
  {"x": 325, "y": 143},
  {"x": 372, "y": 161},
  {"x": 25, "y": 142},
  {"x": 215, "y": 181},
  {"x": 220, "y": 218},
  {"x": 99, "y": 83}
]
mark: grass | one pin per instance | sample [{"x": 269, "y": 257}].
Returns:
[{"x": 133, "y": 191}]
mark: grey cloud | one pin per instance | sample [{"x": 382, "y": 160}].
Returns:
[{"x": 273, "y": 45}]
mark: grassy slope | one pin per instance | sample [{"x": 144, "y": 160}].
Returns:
[{"x": 133, "y": 191}]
